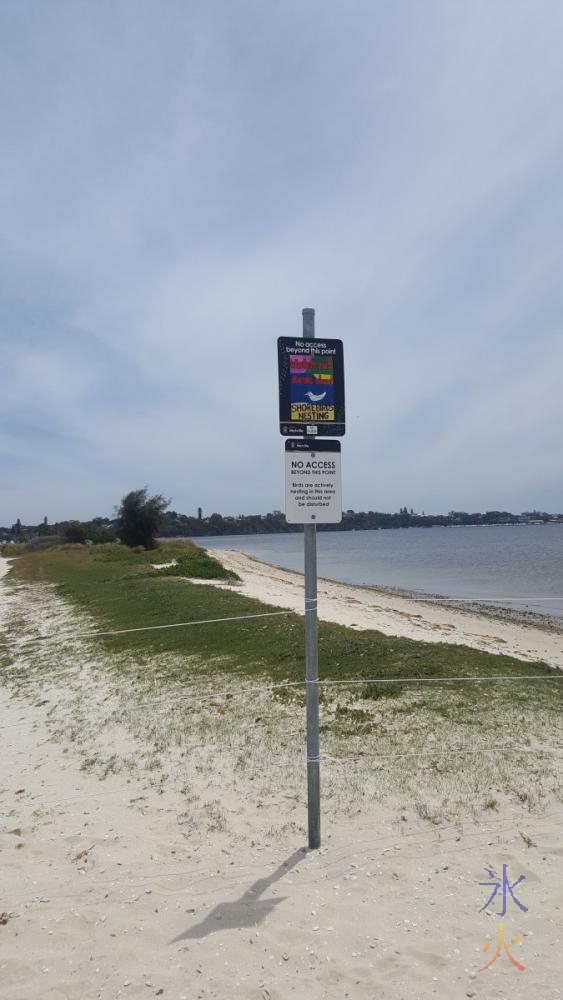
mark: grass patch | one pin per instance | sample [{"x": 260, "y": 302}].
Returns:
[
  {"x": 196, "y": 564},
  {"x": 193, "y": 692},
  {"x": 120, "y": 589}
]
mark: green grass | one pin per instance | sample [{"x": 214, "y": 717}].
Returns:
[
  {"x": 120, "y": 589},
  {"x": 204, "y": 686}
]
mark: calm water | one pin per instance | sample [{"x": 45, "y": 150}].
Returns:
[{"x": 515, "y": 566}]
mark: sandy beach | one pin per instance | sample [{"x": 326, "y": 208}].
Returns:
[
  {"x": 151, "y": 847},
  {"x": 425, "y": 621}
]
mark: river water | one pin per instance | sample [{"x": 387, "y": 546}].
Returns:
[{"x": 514, "y": 566}]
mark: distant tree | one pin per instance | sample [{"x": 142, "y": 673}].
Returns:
[
  {"x": 75, "y": 533},
  {"x": 139, "y": 518},
  {"x": 217, "y": 524},
  {"x": 16, "y": 529}
]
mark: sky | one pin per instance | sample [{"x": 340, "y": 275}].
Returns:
[{"x": 179, "y": 178}]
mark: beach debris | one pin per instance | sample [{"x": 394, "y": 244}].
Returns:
[
  {"x": 4, "y": 917},
  {"x": 83, "y": 855},
  {"x": 527, "y": 840}
]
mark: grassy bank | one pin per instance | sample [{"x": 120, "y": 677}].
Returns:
[
  {"x": 112, "y": 587},
  {"x": 122, "y": 589}
]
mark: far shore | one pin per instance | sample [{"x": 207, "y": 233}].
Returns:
[{"x": 525, "y": 635}]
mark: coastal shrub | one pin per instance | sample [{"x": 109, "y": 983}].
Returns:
[
  {"x": 76, "y": 533},
  {"x": 43, "y": 542},
  {"x": 9, "y": 550},
  {"x": 139, "y": 518},
  {"x": 102, "y": 536}
]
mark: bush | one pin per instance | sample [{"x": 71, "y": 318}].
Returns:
[
  {"x": 43, "y": 542},
  {"x": 139, "y": 518},
  {"x": 75, "y": 532},
  {"x": 11, "y": 549},
  {"x": 103, "y": 536},
  {"x": 33, "y": 545}
]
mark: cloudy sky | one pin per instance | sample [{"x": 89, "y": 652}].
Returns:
[{"x": 179, "y": 178}]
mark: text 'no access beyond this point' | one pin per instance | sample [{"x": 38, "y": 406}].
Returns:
[{"x": 313, "y": 488}]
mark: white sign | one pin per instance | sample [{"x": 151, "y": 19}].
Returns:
[{"x": 313, "y": 485}]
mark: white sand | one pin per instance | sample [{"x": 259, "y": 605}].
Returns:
[
  {"x": 368, "y": 608},
  {"x": 198, "y": 887}
]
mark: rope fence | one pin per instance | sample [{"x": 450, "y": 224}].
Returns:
[
  {"x": 171, "y": 698},
  {"x": 222, "y": 698},
  {"x": 326, "y": 758},
  {"x": 310, "y": 604}
]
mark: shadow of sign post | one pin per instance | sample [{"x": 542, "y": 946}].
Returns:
[{"x": 247, "y": 911}]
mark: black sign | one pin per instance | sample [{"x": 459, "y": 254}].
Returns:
[
  {"x": 311, "y": 374},
  {"x": 301, "y": 444}
]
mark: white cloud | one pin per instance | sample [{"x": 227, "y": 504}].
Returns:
[{"x": 177, "y": 187}]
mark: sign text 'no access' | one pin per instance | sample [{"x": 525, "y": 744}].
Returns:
[{"x": 313, "y": 491}]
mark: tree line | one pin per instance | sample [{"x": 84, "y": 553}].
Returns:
[
  {"x": 175, "y": 524},
  {"x": 139, "y": 519}
]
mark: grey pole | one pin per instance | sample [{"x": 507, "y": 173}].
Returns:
[{"x": 311, "y": 657}]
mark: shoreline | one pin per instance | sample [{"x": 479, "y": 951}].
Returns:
[
  {"x": 467, "y": 575},
  {"x": 525, "y": 635},
  {"x": 470, "y": 605}
]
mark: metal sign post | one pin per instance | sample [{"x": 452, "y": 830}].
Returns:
[
  {"x": 311, "y": 658},
  {"x": 311, "y": 380}
]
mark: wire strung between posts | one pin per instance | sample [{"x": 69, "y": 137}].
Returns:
[
  {"x": 323, "y": 758},
  {"x": 435, "y": 752},
  {"x": 151, "y": 628},
  {"x": 440, "y": 680},
  {"x": 256, "y": 689},
  {"x": 329, "y": 683},
  {"x": 171, "y": 699},
  {"x": 310, "y": 605},
  {"x": 430, "y": 599}
]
